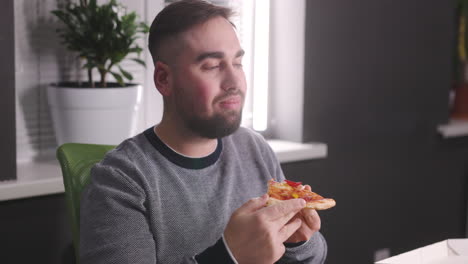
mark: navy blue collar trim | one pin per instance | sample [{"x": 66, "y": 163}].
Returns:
[{"x": 182, "y": 161}]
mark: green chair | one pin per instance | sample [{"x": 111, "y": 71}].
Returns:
[{"x": 76, "y": 161}]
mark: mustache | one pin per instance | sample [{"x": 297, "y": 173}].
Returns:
[{"x": 228, "y": 94}]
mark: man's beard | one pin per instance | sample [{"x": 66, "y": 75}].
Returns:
[{"x": 217, "y": 126}]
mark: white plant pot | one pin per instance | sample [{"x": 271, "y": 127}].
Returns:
[{"x": 94, "y": 115}]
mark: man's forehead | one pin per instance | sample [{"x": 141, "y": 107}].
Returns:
[{"x": 216, "y": 35}]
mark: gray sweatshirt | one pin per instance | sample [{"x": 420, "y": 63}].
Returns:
[{"x": 147, "y": 204}]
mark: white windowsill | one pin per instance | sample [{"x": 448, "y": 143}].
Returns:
[
  {"x": 455, "y": 128},
  {"x": 33, "y": 179},
  {"x": 288, "y": 151},
  {"x": 45, "y": 177}
]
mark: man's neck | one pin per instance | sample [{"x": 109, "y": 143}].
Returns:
[{"x": 185, "y": 142}]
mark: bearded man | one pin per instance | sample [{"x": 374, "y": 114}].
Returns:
[{"x": 183, "y": 191}]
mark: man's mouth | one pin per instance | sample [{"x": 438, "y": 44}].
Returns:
[{"x": 231, "y": 102}]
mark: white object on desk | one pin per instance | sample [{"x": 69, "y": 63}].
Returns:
[
  {"x": 455, "y": 128},
  {"x": 451, "y": 251}
]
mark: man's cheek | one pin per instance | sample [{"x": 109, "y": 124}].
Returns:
[{"x": 203, "y": 96}]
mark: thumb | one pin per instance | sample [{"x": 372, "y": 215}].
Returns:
[{"x": 254, "y": 204}]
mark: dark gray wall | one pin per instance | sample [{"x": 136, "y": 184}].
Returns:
[
  {"x": 7, "y": 93},
  {"x": 377, "y": 80}
]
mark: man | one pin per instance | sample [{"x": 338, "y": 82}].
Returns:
[{"x": 181, "y": 192}]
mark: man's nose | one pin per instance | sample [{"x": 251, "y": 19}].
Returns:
[{"x": 232, "y": 78}]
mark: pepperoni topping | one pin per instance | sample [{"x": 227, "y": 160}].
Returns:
[{"x": 292, "y": 183}]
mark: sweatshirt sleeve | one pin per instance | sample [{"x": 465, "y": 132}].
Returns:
[
  {"x": 113, "y": 224},
  {"x": 313, "y": 251}
]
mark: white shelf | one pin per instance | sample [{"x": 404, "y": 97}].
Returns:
[
  {"x": 288, "y": 151},
  {"x": 33, "y": 179},
  {"x": 455, "y": 128},
  {"x": 45, "y": 177}
]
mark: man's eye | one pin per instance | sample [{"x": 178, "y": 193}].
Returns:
[
  {"x": 238, "y": 65},
  {"x": 210, "y": 67}
]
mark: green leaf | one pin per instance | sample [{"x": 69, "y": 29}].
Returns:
[
  {"x": 118, "y": 78},
  {"x": 89, "y": 65},
  {"x": 136, "y": 49},
  {"x": 139, "y": 61},
  {"x": 126, "y": 74},
  {"x": 144, "y": 28}
]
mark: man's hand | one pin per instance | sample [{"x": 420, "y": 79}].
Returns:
[
  {"x": 255, "y": 234},
  {"x": 310, "y": 224}
]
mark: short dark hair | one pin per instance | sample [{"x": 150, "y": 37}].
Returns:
[{"x": 179, "y": 17}]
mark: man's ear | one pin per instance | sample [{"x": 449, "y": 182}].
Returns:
[{"x": 162, "y": 78}]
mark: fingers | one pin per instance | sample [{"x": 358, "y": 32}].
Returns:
[
  {"x": 253, "y": 204},
  {"x": 289, "y": 229},
  {"x": 311, "y": 219},
  {"x": 284, "y": 211},
  {"x": 307, "y": 187}
]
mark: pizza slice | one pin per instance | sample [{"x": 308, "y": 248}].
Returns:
[{"x": 286, "y": 190}]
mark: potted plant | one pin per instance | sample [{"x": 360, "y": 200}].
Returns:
[
  {"x": 460, "y": 101},
  {"x": 102, "y": 36}
]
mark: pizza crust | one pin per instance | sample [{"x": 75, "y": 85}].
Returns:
[{"x": 321, "y": 204}]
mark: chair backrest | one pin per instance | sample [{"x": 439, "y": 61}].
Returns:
[{"x": 76, "y": 161}]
